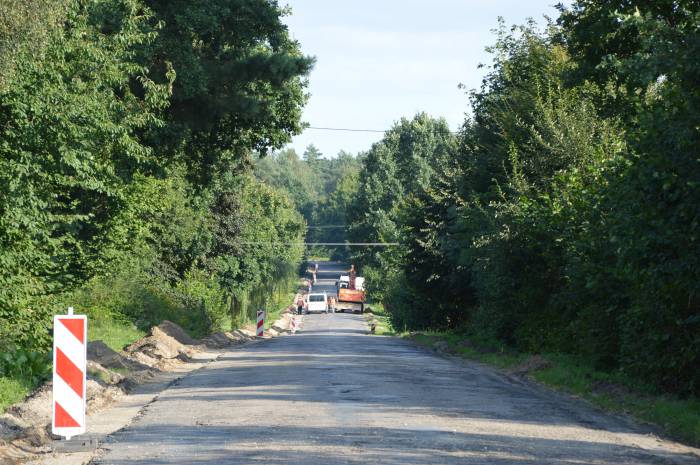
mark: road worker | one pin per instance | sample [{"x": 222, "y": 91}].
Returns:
[{"x": 300, "y": 305}]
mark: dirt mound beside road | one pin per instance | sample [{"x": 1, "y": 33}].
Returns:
[
  {"x": 225, "y": 339},
  {"x": 159, "y": 350},
  {"x": 101, "y": 353},
  {"x": 177, "y": 333}
]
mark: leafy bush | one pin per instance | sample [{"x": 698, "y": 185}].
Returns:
[{"x": 25, "y": 365}]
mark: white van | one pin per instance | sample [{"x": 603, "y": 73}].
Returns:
[{"x": 317, "y": 302}]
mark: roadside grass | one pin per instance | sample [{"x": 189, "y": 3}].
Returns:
[
  {"x": 611, "y": 391},
  {"x": 384, "y": 327},
  {"x": 114, "y": 330},
  {"x": 280, "y": 302},
  {"x": 13, "y": 390},
  {"x": 680, "y": 418}
]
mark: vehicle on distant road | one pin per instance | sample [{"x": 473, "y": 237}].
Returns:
[
  {"x": 351, "y": 292},
  {"x": 317, "y": 302}
]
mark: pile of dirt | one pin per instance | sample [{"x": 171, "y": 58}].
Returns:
[
  {"x": 283, "y": 323},
  {"x": 225, "y": 339},
  {"x": 101, "y": 396},
  {"x": 29, "y": 421},
  {"x": 159, "y": 350},
  {"x": 97, "y": 371},
  {"x": 530, "y": 364},
  {"x": 177, "y": 333},
  {"x": 101, "y": 353}
]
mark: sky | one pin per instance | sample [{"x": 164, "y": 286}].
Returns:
[{"x": 380, "y": 60}]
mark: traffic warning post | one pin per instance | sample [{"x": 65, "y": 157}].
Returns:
[
  {"x": 69, "y": 374},
  {"x": 261, "y": 323}
]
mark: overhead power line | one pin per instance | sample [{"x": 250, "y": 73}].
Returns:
[
  {"x": 316, "y": 128},
  {"x": 379, "y": 131}
]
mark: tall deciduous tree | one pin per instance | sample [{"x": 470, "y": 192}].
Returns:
[{"x": 240, "y": 82}]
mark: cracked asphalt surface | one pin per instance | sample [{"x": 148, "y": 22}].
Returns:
[{"x": 332, "y": 394}]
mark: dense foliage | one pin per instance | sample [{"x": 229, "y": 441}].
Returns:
[
  {"x": 322, "y": 189},
  {"x": 564, "y": 216},
  {"x": 127, "y": 134}
]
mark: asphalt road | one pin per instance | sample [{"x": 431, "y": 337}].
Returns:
[
  {"x": 331, "y": 394},
  {"x": 327, "y": 277}
]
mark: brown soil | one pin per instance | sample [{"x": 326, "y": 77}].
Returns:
[
  {"x": 177, "y": 333},
  {"x": 158, "y": 345},
  {"x": 102, "y": 354},
  {"x": 226, "y": 339}
]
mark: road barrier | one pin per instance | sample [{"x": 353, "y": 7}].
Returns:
[
  {"x": 69, "y": 374},
  {"x": 261, "y": 323}
]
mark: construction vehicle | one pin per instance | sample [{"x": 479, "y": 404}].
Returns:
[{"x": 351, "y": 292}]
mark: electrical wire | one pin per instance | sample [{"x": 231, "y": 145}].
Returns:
[{"x": 376, "y": 131}]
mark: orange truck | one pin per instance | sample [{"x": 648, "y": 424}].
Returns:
[{"x": 351, "y": 293}]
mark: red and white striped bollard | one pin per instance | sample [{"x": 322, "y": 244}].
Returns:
[
  {"x": 69, "y": 374},
  {"x": 261, "y": 323}
]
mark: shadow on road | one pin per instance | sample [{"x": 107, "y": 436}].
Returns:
[{"x": 341, "y": 445}]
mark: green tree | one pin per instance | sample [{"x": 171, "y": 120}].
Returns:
[
  {"x": 65, "y": 156},
  {"x": 644, "y": 57},
  {"x": 240, "y": 82},
  {"x": 407, "y": 163},
  {"x": 25, "y": 28},
  {"x": 311, "y": 156}
]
